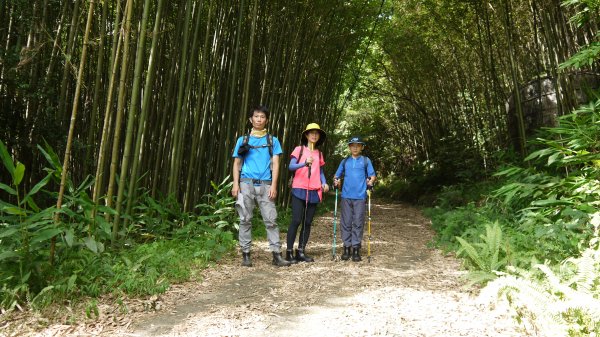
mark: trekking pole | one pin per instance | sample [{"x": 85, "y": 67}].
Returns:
[
  {"x": 310, "y": 146},
  {"x": 333, "y": 256},
  {"x": 369, "y": 227}
]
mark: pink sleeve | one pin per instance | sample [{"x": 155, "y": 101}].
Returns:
[
  {"x": 322, "y": 163},
  {"x": 296, "y": 152}
]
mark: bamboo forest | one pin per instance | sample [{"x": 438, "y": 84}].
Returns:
[{"x": 119, "y": 119}]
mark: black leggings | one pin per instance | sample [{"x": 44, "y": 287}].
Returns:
[{"x": 298, "y": 206}]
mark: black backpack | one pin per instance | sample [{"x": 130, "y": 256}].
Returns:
[{"x": 245, "y": 147}]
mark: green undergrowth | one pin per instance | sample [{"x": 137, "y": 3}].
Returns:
[
  {"x": 49, "y": 256},
  {"x": 145, "y": 269},
  {"x": 530, "y": 233}
]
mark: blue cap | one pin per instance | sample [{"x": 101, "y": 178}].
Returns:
[{"x": 356, "y": 140}]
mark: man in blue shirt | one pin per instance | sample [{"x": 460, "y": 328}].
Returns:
[
  {"x": 255, "y": 176},
  {"x": 359, "y": 175}
]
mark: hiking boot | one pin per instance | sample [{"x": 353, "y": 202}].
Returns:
[
  {"x": 279, "y": 261},
  {"x": 246, "y": 262},
  {"x": 356, "y": 254},
  {"x": 346, "y": 254},
  {"x": 301, "y": 257},
  {"x": 289, "y": 256}
]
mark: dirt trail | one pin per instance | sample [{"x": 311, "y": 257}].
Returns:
[{"x": 408, "y": 289}]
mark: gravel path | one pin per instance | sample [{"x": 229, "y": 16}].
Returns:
[{"x": 407, "y": 289}]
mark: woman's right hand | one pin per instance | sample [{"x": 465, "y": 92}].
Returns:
[
  {"x": 235, "y": 190},
  {"x": 309, "y": 160}
]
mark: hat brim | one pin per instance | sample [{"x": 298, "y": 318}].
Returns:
[{"x": 321, "y": 140}]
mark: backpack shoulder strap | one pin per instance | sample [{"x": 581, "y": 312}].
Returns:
[
  {"x": 270, "y": 144},
  {"x": 344, "y": 166},
  {"x": 366, "y": 166},
  {"x": 245, "y": 141}
]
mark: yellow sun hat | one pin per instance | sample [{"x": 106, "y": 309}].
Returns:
[{"x": 310, "y": 127}]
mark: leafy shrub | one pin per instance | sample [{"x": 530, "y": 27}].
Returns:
[
  {"x": 554, "y": 196},
  {"x": 173, "y": 243},
  {"x": 543, "y": 208},
  {"x": 465, "y": 221}
]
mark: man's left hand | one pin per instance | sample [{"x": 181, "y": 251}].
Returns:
[{"x": 273, "y": 192}]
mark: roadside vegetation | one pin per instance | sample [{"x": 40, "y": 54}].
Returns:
[
  {"x": 528, "y": 230},
  {"x": 119, "y": 119},
  {"x": 525, "y": 222},
  {"x": 530, "y": 233},
  {"x": 162, "y": 243}
]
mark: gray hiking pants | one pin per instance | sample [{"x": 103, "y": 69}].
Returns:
[
  {"x": 353, "y": 221},
  {"x": 257, "y": 194}
]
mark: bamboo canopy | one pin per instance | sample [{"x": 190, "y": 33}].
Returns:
[
  {"x": 149, "y": 96},
  {"x": 158, "y": 91}
]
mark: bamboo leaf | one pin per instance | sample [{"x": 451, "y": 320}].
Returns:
[
  {"x": 6, "y": 159},
  {"x": 4, "y": 204},
  {"x": 8, "y": 232},
  {"x": 106, "y": 209},
  {"x": 45, "y": 234},
  {"x": 29, "y": 201},
  {"x": 14, "y": 210},
  {"x": 8, "y": 255},
  {"x": 539, "y": 153},
  {"x": 508, "y": 172},
  {"x": 551, "y": 202},
  {"x": 91, "y": 244},
  {"x": 39, "y": 185},
  {"x": 51, "y": 157},
  {"x": 8, "y": 189},
  {"x": 69, "y": 237},
  {"x": 18, "y": 174},
  {"x": 553, "y": 158}
]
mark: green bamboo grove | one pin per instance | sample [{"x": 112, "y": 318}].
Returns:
[
  {"x": 436, "y": 84},
  {"x": 151, "y": 93}
]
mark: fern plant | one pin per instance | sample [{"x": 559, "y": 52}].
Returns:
[
  {"x": 486, "y": 257},
  {"x": 561, "y": 301}
]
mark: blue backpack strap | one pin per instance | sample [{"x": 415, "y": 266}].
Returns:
[
  {"x": 366, "y": 161},
  {"x": 344, "y": 166}
]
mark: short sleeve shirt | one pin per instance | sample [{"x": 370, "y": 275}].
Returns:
[
  {"x": 355, "y": 181},
  {"x": 257, "y": 161},
  {"x": 301, "y": 174}
]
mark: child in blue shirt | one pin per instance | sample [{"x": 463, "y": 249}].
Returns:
[{"x": 359, "y": 174}]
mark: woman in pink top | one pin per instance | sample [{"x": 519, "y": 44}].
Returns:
[{"x": 308, "y": 186}]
